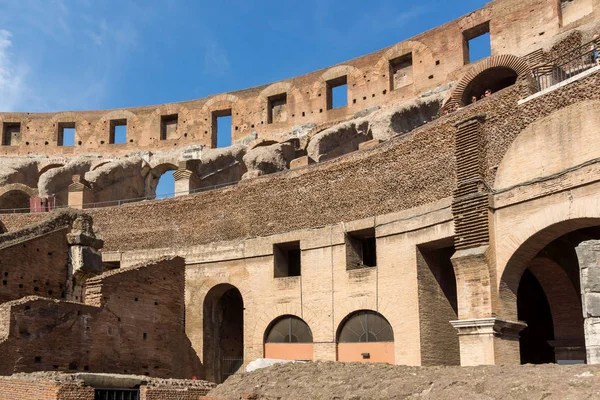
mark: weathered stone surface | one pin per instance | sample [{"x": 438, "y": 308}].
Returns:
[
  {"x": 339, "y": 140},
  {"x": 269, "y": 159}
]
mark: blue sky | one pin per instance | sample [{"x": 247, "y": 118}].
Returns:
[{"x": 60, "y": 55}]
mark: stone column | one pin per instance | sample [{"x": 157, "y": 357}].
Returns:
[
  {"x": 84, "y": 256},
  {"x": 186, "y": 182},
  {"x": 488, "y": 341},
  {"x": 80, "y": 193},
  {"x": 588, "y": 254}
]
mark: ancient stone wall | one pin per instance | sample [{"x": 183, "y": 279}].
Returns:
[
  {"x": 133, "y": 323},
  {"x": 271, "y": 111}
]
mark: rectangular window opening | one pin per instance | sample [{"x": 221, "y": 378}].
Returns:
[
  {"x": 287, "y": 259},
  {"x": 401, "y": 71},
  {"x": 168, "y": 126},
  {"x": 66, "y": 134},
  {"x": 361, "y": 249},
  {"x": 276, "y": 108},
  {"x": 337, "y": 92},
  {"x": 118, "y": 131},
  {"x": 221, "y": 128},
  {"x": 477, "y": 43},
  {"x": 11, "y": 131}
]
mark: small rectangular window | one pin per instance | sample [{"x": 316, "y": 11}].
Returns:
[
  {"x": 168, "y": 126},
  {"x": 221, "y": 128},
  {"x": 118, "y": 131},
  {"x": 337, "y": 92},
  {"x": 276, "y": 108},
  {"x": 401, "y": 71},
  {"x": 476, "y": 43},
  {"x": 66, "y": 134},
  {"x": 361, "y": 250},
  {"x": 287, "y": 259},
  {"x": 11, "y": 131}
]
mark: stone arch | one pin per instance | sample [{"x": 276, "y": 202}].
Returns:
[
  {"x": 49, "y": 167},
  {"x": 274, "y": 89},
  {"x": 505, "y": 62},
  {"x": 102, "y": 127},
  {"x": 153, "y": 124},
  {"x": 529, "y": 238},
  {"x": 219, "y": 101},
  {"x": 354, "y": 76},
  {"x": 15, "y": 196},
  {"x": 223, "y": 331},
  {"x": 563, "y": 139},
  {"x": 261, "y": 323},
  {"x": 82, "y": 127},
  {"x": 367, "y": 336},
  {"x": 100, "y": 164},
  {"x": 422, "y": 55},
  {"x": 154, "y": 175},
  {"x": 288, "y": 337}
]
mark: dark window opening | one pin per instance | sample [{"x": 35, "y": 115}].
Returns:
[
  {"x": 221, "y": 128},
  {"x": 476, "y": 43},
  {"x": 337, "y": 92},
  {"x": 118, "y": 131},
  {"x": 109, "y": 265},
  {"x": 492, "y": 80},
  {"x": 168, "y": 126},
  {"x": 365, "y": 326},
  {"x": 289, "y": 329},
  {"x": 361, "y": 250},
  {"x": 66, "y": 134},
  {"x": 287, "y": 259},
  {"x": 276, "y": 108},
  {"x": 10, "y": 133},
  {"x": 401, "y": 71}
]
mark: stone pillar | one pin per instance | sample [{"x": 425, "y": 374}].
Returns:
[
  {"x": 588, "y": 254},
  {"x": 325, "y": 351},
  {"x": 488, "y": 341},
  {"x": 84, "y": 256},
  {"x": 186, "y": 181},
  {"x": 80, "y": 193}
]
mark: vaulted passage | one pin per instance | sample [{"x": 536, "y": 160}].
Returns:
[
  {"x": 16, "y": 200},
  {"x": 493, "y": 79},
  {"x": 223, "y": 332}
]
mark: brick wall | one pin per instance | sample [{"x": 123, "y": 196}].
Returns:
[
  {"x": 141, "y": 327},
  {"x": 12, "y": 388}
]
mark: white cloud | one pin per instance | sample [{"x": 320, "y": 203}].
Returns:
[
  {"x": 216, "y": 61},
  {"x": 11, "y": 77}
]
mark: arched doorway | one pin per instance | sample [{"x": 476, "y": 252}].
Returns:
[
  {"x": 223, "y": 325},
  {"x": 289, "y": 338},
  {"x": 160, "y": 183},
  {"x": 494, "y": 79},
  {"x": 541, "y": 283},
  {"x": 365, "y": 336},
  {"x": 16, "y": 201}
]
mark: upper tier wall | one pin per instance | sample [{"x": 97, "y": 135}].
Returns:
[{"x": 391, "y": 75}]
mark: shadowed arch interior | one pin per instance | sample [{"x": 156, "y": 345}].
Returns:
[
  {"x": 15, "y": 199},
  {"x": 494, "y": 79},
  {"x": 223, "y": 325}
]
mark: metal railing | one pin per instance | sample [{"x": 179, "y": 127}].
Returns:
[
  {"x": 112, "y": 203},
  {"x": 567, "y": 65},
  {"x": 116, "y": 394},
  {"x": 230, "y": 365}
]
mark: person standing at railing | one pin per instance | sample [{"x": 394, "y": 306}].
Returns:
[{"x": 594, "y": 49}]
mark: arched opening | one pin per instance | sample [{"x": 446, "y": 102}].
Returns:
[
  {"x": 541, "y": 284},
  {"x": 15, "y": 201},
  {"x": 365, "y": 336},
  {"x": 289, "y": 338},
  {"x": 493, "y": 79},
  {"x": 49, "y": 167},
  {"x": 160, "y": 183},
  {"x": 223, "y": 325}
]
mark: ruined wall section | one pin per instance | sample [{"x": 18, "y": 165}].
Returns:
[
  {"x": 143, "y": 311},
  {"x": 133, "y": 323},
  {"x": 34, "y": 259},
  {"x": 437, "y": 57}
]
